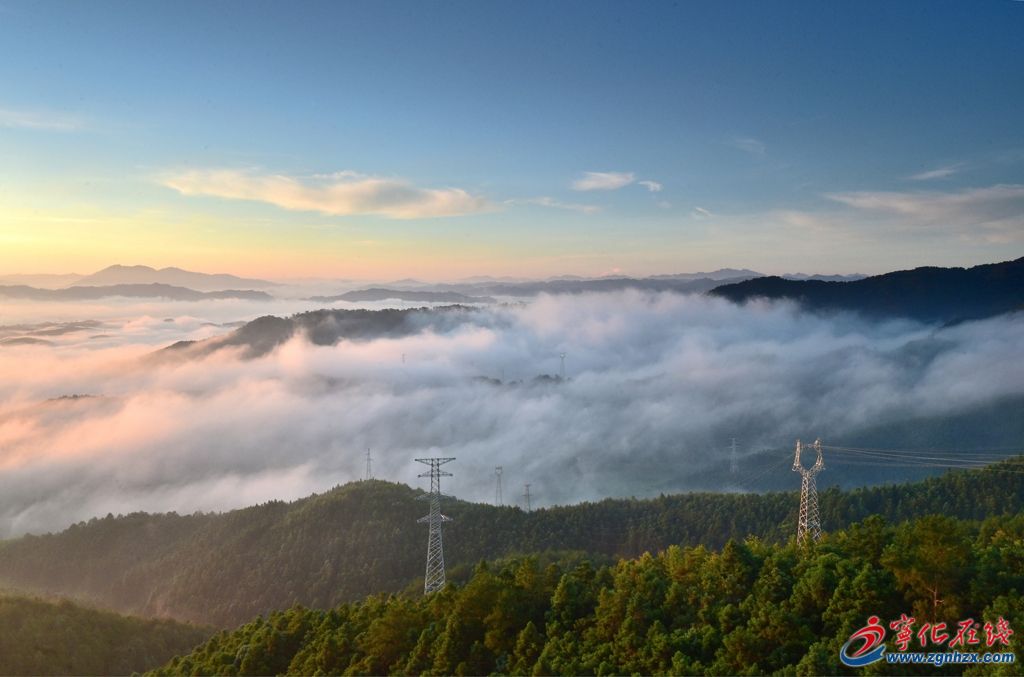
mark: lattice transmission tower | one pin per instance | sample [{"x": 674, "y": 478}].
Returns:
[
  {"x": 369, "y": 464},
  {"x": 434, "y": 578},
  {"x": 809, "y": 523},
  {"x": 497, "y": 486}
]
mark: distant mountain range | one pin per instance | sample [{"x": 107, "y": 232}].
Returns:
[
  {"x": 683, "y": 283},
  {"x": 926, "y": 294},
  {"x": 150, "y": 290},
  {"x": 483, "y": 289},
  {"x": 720, "y": 274},
  {"x": 138, "y": 275},
  {"x": 823, "y": 278}
]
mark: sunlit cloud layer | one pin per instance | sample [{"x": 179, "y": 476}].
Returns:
[{"x": 341, "y": 194}]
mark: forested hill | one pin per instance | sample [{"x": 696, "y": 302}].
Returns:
[
  {"x": 362, "y": 538},
  {"x": 325, "y": 328},
  {"x": 753, "y": 608},
  {"x": 60, "y": 638},
  {"x": 926, "y": 294}
]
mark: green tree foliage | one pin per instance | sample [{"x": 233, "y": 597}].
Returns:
[
  {"x": 362, "y": 538},
  {"x": 47, "y": 638},
  {"x": 750, "y": 608}
]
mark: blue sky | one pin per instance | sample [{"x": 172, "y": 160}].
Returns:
[{"x": 448, "y": 139}]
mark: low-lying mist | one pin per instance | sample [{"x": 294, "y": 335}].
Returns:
[{"x": 657, "y": 385}]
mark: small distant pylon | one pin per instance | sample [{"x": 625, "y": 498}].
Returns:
[
  {"x": 734, "y": 463},
  {"x": 562, "y": 372},
  {"x": 526, "y": 498},
  {"x": 497, "y": 487},
  {"x": 809, "y": 523},
  {"x": 369, "y": 464},
  {"x": 434, "y": 579}
]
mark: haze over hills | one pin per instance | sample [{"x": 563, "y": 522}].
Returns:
[
  {"x": 682, "y": 283},
  {"x": 43, "y": 637},
  {"x": 175, "y": 277},
  {"x": 476, "y": 289},
  {"x": 928, "y": 294},
  {"x": 42, "y": 281},
  {"x": 420, "y": 296}
]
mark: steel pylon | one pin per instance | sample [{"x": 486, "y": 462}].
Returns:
[
  {"x": 809, "y": 523},
  {"x": 434, "y": 578}
]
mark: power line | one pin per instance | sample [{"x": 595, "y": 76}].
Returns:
[
  {"x": 913, "y": 460},
  {"x": 1015, "y": 449},
  {"x": 434, "y": 578}
]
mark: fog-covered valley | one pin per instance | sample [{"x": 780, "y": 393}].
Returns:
[{"x": 656, "y": 386}]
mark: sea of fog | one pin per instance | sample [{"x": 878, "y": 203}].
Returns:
[{"x": 655, "y": 383}]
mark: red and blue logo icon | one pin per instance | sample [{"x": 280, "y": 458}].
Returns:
[{"x": 872, "y": 648}]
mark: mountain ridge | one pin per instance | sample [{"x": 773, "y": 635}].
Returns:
[
  {"x": 927, "y": 294},
  {"x": 363, "y": 538},
  {"x": 177, "y": 277}
]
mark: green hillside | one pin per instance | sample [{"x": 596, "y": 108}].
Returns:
[
  {"x": 362, "y": 539},
  {"x": 46, "y": 638},
  {"x": 752, "y": 608}
]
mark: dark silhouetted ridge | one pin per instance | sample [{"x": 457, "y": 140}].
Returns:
[{"x": 927, "y": 294}]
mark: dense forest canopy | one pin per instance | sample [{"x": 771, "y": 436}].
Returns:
[
  {"x": 752, "y": 607},
  {"x": 362, "y": 538}
]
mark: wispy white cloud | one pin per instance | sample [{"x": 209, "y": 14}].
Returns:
[
  {"x": 603, "y": 180},
  {"x": 652, "y": 186},
  {"x": 571, "y": 206},
  {"x": 937, "y": 173},
  {"x": 701, "y": 213},
  {"x": 39, "y": 120},
  {"x": 343, "y": 193},
  {"x": 748, "y": 145},
  {"x": 994, "y": 214}
]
